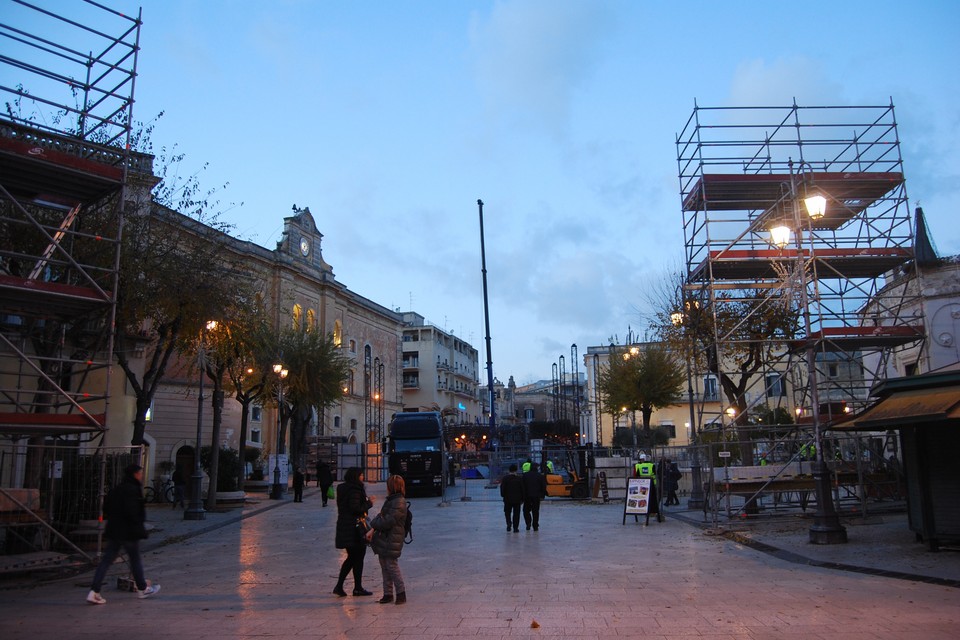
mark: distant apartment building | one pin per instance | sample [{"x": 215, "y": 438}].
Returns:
[{"x": 439, "y": 372}]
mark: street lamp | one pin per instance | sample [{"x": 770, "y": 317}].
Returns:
[
  {"x": 695, "y": 501},
  {"x": 276, "y": 492},
  {"x": 195, "y": 510},
  {"x": 826, "y": 528}
]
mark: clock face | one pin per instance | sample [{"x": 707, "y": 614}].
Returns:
[{"x": 304, "y": 246}]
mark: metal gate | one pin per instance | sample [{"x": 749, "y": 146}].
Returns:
[{"x": 51, "y": 495}]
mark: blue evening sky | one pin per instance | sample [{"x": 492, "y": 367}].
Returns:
[{"x": 390, "y": 119}]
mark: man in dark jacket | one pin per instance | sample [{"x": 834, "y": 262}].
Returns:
[
  {"x": 126, "y": 515},
  {"x": 534, "y": 490},
  {"x": 298, "y": 481},
  {"x": 511, "y": 490}
]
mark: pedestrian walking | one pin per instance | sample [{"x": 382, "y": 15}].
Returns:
[
  {"x": 352, "y": 506},
  {"x": 324, "y": 480},
  {"x": 670, "y": 474},
  {"x": 386, "y": 535},
  {"x": 179, "y": 487},
  {"x": 126, "y": 517},
  {"x": 511, "y": 490},
  {"x": 534, "y": 490},
  {"x": 298, "y": 481}
]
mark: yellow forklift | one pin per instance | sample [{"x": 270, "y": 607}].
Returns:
[{"x": 566, "y": 482}]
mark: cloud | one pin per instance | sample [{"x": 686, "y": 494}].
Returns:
[
  {"x": 531, "y": 56},
  {"x": 761, "y": 82}
]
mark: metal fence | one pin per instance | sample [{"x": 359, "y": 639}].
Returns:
[
  {"x": 759, "y": 477},
  {"x": 772, "y": 476},
  {"x": 51, "y": 495}
]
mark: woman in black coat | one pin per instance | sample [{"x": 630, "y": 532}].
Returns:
[
  {"x": 352, "y": 503},
  {"x": 387, "y": 532}
]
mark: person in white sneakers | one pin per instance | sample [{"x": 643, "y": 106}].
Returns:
[{"x": 125, "y": 513}]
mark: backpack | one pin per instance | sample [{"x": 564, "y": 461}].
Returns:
[{"x": 408, "y": 526}]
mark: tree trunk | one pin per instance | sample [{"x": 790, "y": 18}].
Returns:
[{"x": 215, "y": 442}]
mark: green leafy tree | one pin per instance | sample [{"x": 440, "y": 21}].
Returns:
[
  {"x": 317, "y": 370},
  {"x": 640, "y": 378},
  {"x": 249, "y": 366}
]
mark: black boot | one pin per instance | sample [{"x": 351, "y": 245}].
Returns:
[
  {"x": 338, "y": 590},
  {"x": 385, "y": 599},
  {"x": 360, "y": 591},
  {"x": 401, "y": 597}
]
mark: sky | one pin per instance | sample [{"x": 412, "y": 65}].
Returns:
[{"x": 389, "y": 120}]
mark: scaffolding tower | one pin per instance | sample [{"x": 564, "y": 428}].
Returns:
[
  {"x": 744, "y": 171},
  {"x": 67, "y": 80}
]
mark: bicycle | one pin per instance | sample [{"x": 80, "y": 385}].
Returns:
[{"x": 161, "y": 491}]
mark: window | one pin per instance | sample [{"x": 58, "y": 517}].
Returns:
[
  {"x": 529, "y": 414},
  {"x": 336, "y": 422},
  {"x": 833, "y": 370},
  {"x": 353, "y": 424},
  {"x": 353, "y": 346},
  {"x": 149, "y": 416},
  {"x": 297, "y": 316},
  {"x": 710, "y": 388},
  {"x": 255, "y": 435},
  {"x": 338, "y": 333},
  {"x": 311, "y": 319},
  {"x": 669, "y": 428},
  {"x": 256, "y": 413},
  {"x": 776, "y": 388},
  {"x": 912, "y": 369}
]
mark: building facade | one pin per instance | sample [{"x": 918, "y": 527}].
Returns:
[{"x": 439, "y": 372}]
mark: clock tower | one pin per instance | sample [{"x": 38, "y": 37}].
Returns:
[{"x": 301, "y": 240}]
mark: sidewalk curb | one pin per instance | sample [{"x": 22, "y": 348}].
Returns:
[{"x": 796, "y": 558}]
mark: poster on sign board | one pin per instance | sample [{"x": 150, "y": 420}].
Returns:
[{"x": 638, "y": 496}]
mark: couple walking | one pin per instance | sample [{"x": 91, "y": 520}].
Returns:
[
  {"x": 384, "y": 534},
  {"x": 526, "y": 490}
]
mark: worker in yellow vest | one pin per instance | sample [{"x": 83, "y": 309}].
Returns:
[{"x": 646, "y": 469}]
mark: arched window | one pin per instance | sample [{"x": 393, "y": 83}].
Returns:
[
  {"x": 337, "y": 333},
  {"x": 311, "y": 319},
  {"x": 297, "y": 316}
]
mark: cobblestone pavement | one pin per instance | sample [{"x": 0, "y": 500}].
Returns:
[{"x": 266, "y": 572}]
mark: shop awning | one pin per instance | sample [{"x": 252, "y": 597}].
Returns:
[{"x": 908, "y": 408}]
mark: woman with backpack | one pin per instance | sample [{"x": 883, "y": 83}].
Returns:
[{"x": 387, "y": 532}]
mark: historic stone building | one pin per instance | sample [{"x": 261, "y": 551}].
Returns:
[{"x": 302, "y": 291}]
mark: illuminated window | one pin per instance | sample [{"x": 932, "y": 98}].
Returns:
[
  {"x": 337, "y": 333},
  {"x": 311, "y": 319},
  {"x": 297, "y": 316}
]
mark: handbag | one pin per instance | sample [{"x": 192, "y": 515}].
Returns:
[{"x": 362, "y": 527}]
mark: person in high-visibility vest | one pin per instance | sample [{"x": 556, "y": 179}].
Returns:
[
  {"x": 549, "y": 466},
  {"x": 808, "y": 451},
  {"x": 646, "y": 469},
  {"x": 526, "y": 466}
]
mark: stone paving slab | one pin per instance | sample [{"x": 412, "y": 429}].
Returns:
[{"x": 266, "y": 571}]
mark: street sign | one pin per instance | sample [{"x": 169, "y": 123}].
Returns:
[{"x": 724, "y": 454}]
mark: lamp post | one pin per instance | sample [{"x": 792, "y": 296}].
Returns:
[
  {"x": 826, "y": 528},
  {"x": 695, "y": 501},
  {"x": 276, "y": 492},
  {"x": 195, "y": 510}
]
